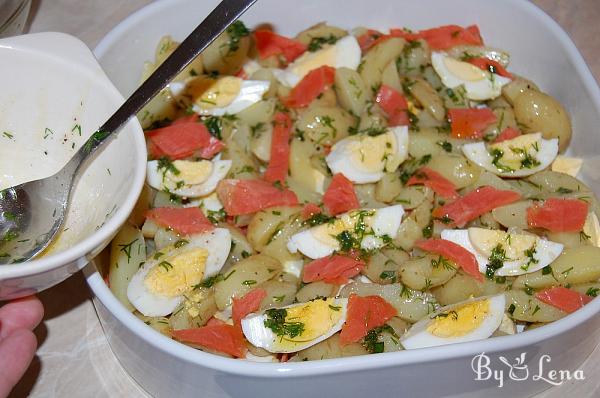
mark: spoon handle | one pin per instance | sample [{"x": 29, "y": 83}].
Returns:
[{"x": 213, "y": 25}]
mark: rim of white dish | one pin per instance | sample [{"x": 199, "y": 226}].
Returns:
[
  {"x": 348, "y": 364},
  {"x": 82, "y": 248}
]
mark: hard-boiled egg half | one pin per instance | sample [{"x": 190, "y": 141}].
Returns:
[
  {"x": 344, "y": 53},
  {"x": 224, "y": 95},
  {"x": 363, "y": 158},
  {"x": 506, "y": 253},
  {"x": 371, "y": 228},
  {"x": 470, "y": 320},
  {"x": 479, "y": 84},
  {"x": 297, "y": 326},
  {"x": 187, "y": 178},
  {"x": 162, "y": 282},
  {"x": 518, "y": 157}
]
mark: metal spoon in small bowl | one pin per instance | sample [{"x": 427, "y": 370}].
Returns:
[{"x": 31, "y": 214}]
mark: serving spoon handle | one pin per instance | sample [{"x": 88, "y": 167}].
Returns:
[
  {"x": 227, "y": 12},
  {"x": 37, "y": 209}
]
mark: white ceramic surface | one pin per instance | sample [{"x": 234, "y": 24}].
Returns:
[
  {"x": 540, "y": 50},
  {"x": 52, "y": 79}
]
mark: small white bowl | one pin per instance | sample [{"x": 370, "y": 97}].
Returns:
[
  {"x": 48, "y": 79},
  {"x": 540, "y": 50}
]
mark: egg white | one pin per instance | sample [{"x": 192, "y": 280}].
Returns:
[
  {"x": 340, "y": 159},
  {"x": 418, "y": 336},
  {"x": 546, "y": 252},
  {"x": 251, "y": 92},
  {"x": 218, "y": 244},
  {"x": 384, "y": 221},
  {"x": 255, "y": 331},
  {"x": 486, "y": 88},
  {"x": 344, "y": 53},
  {"x": 478, "y": 153},
  {"x": 154, "y": 178}
]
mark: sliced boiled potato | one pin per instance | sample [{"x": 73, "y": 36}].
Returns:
[
  {"x": 315, "y": 290},
  {"x": 575, "y": 265},
  {"x": 381, "y": 269},
  {"x": 396, "y": 254},
  {"x": 127, "y": 254},
  {"x": 490, "y": 179},
  {"x": 388, "y": 188},
  {"x": 462, "y": 287},
  {"x": 589, "y": 289},
  {"x": 412, "y": 305},
  {"x": 426, "y": 272},
  {"x": 505, "y": 118},
  {"x": 302, "y": 169},
  {"x": 266, "y": 225},
  {"x": 227, "y": 53},
  {"x": 328, "y": 349},
  {"x": 198, "y": 307},
  {"x": 513, "y": 215},
  {"x": 165, "y": 237},
  {"x": 159, "y": 323},
  {"x": 243, "y": 277},
  {"x": 415, "y": 56},
  {"x": 377, "y": 58},
  {"x": 390, "y": 337},
  {"x": 517, "y": 86},
  {"x": 413, "y": 196},
  {"x": 266, "y": 74},
  {"x": 421, "y": 214},
  {"x": 351, "y": 90},
  {"x": 524, "y": 307},
  {"x": 455, "y": 168},
  {"x": 324, "y": 125},
  {"x": 551, "y": 182},
  {"x": 428, "y": 98},
  {"x": 539, "y": 112},
  {"x": 277, "y": 247},
  {"x": 240, "y": 247},
  {"x": 568, "y": 239},
  {"x": 321, "y": 30},
  {"x": 243, "y": 164},
  {"x": 279, "y": 294},
  {"x": 408, "y": 233},
  {"x": 390, "y": 77},
  {"x": 428, "y": 141},
  {"x": 260, "y": 113},
  {"x": 143, "y": 204}
]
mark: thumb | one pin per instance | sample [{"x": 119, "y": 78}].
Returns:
[{"x": 16, "y": 352}]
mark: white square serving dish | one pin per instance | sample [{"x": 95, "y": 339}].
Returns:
[{"x": 539, "y": 49}]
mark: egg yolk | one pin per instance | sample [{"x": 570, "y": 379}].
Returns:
[
  {"x": 210, "y": 93},
  {"x": 517, "y": 153},
  {"x": 464, "y": 70},
  {"x": 514, "y": 245},
  {"x": 313, "y": 60},
  {"x": 188, "y": 173},
  {"x": 177, "y": 274},
  {"x": 374, "y": 154},
  {"x": 460, "y": 321},
  {"x": 317, "y": 317},
  {"x": 326, "y": 233}
]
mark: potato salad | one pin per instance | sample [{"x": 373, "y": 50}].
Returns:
[{"x": 352, "y": 192}]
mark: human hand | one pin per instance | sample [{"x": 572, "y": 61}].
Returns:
[{"x": 17, "y": 342}]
